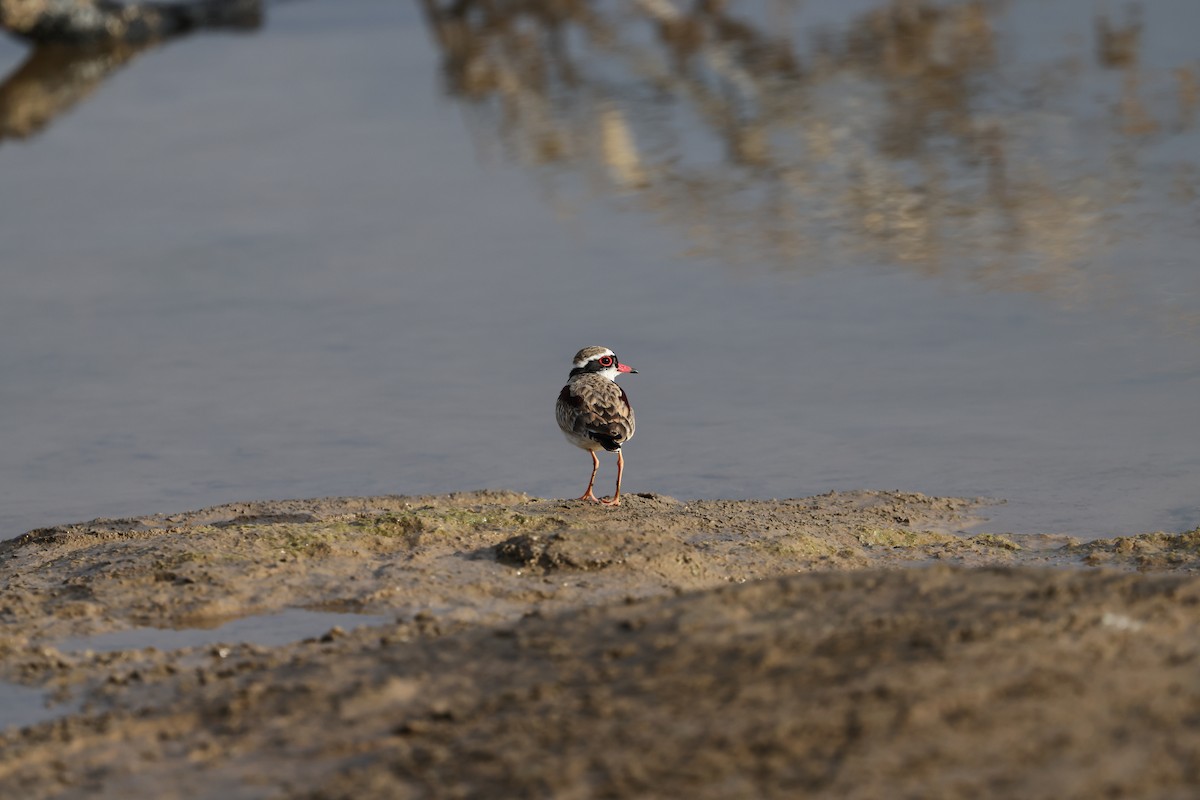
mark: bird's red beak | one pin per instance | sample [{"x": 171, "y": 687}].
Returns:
[{"x": 625, "y": 368}]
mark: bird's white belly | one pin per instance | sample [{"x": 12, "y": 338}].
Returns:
[{"x": 582, "y": 442}]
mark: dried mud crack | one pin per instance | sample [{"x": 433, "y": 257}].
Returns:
[{"x": 849, "y": 645}]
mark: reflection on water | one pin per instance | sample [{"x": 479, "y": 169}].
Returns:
[
  {"x": 52, "y": 80},
  {"x": 77, "y": 46},
  {"x": 269, "y": 266},
  {"x": 914, "y": 133}
]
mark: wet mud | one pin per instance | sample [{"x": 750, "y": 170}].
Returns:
[{"x": 863, "y": 644}]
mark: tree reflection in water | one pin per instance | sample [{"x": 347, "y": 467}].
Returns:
[{"x": 909, "y": 134}]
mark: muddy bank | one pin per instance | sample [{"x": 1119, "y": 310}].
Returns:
[{"x": 848, "y": 645}]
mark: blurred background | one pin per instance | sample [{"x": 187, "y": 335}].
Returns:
[{"x": 949, "y": 247}]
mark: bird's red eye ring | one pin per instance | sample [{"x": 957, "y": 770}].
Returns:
[{"x": 606, "y": 361}]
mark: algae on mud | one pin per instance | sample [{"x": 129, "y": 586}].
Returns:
[{"x": 831, "y": 646}]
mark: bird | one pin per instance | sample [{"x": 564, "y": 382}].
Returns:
[{"x": 594, "y": 412}]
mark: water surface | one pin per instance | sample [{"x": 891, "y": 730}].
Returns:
[
  {"x": 948, "y": 249},
  {"x": 267, "y": 630},
  {"x": 22, "y": 705}
]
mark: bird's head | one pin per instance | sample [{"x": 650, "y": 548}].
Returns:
[{"x": 601, "y": 361}]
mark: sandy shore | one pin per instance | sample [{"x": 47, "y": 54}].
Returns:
[{"x": 843, "y": 646}]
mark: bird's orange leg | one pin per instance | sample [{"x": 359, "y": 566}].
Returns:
[
  {"x": 616, "y": 500},
  {"x": 595, "y": 466}
]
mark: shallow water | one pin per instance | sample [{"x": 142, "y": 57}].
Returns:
[
  {"x": 951, "y": 251},
  {"x": 23, "y": 705},
  {"x": 268, "y": 630}
]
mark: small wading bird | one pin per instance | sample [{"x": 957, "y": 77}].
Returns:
[{"x": 594, "y": 412}]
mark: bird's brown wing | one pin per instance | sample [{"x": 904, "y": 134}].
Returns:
[{"x": 599, "y": 409}]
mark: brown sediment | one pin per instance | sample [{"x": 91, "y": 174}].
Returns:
[{"x": 854, "y": 644}]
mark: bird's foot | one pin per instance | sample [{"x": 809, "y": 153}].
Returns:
[
  {"x": 616, "y": 501},
  {"x": 589, "y": 496}
]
